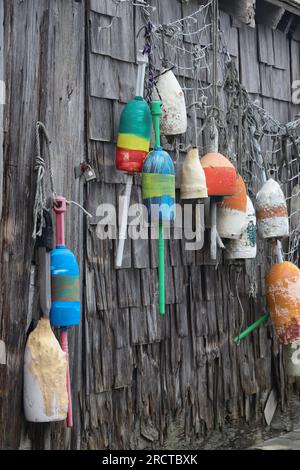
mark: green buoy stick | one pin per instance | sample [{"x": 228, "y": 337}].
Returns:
[
  {"x": 156, "y": 113},
  {"x": 252, "y": 327}
]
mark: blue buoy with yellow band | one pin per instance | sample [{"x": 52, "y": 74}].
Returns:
[
  {"x": 158, "y": 189},
  {"x": 65, "y": 285}
]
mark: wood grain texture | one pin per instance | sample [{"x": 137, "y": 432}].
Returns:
[{"x": 140, "y": 380}]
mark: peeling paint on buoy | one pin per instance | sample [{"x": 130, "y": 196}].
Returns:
[
  {"x": 271, "y": 211},
  {"x": 45, "y": 376},
  {"x": 231, "y": 212},
  {"x": 283, "y": 298},
  {"x": 174, "y": 119},
  {"x": 245, "y": 246}
]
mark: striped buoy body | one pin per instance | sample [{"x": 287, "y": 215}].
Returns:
[
  {"x": 65, "y": 288},
  {"x": 134, "y": 136},
  {"x": 221, "y": 176},
  {"x": 271, "y": 211},
  {"x": 174, "y": 119},
  {"x": 193, "y": 181},
  {"x": 283, "y": 298},
  {"x": 231, "y": 212},
  {"x": 158, "y": 186},
  {"x": 245, "y": 246}
]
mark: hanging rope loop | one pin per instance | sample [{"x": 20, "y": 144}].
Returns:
[{"x": 39, "y": 167}]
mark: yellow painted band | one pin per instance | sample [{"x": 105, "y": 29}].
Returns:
[{"x": 132, "y": 142}]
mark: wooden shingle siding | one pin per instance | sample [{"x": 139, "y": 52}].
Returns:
[
  {"x": 249, "y": 66},
  {"x": 139, "y": 379}
]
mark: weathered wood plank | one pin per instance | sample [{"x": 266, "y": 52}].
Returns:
[
  {"x": 265, "y": 45},
  {"x": 248, "y": 59}
]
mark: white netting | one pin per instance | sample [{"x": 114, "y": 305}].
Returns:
[{"x": 249, "y": 136}]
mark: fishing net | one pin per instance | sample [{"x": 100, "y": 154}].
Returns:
[{"x": 194, "y": 47}]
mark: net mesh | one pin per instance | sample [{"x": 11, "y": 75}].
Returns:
[{"x": 256, "y": 142}]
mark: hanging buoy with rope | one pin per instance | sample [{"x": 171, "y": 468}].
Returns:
[
  {"x": 271, "y": 211},
  {"x": 168, "y": 90},
  {"x": 158, "y": 190},
  {"x": 245, "y": 246},
  {"x": 45, "y": 364},
  {"x": 65, "y": 289},
  {"x": 232, "y": 212},
  {"x": 132, "y": 146},
  {"x": 283, "y": 298},
  {"x": 221, "y": 180}
]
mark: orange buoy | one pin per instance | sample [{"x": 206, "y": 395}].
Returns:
[
  {"x": 283, "y": 298},
  {"x": 221, "y": 176},
  {"x": 231, "y": 212}
]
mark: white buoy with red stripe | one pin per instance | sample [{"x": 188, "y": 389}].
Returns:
[{"x": 271, "y": 211}]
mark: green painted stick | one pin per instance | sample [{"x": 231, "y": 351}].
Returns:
[
  {"x": 250, "y": 328},
  {"x": 161, "y": 269},
  {"x": 156, "y": 113}
]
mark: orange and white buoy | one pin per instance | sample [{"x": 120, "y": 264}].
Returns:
[
  {"x": 283, "y": 298},
  {"x": 193, "y": 181},
  {"x": 221, "y": 176},
  {"x": 271, "y": 211},
  {"x": 231, "y": 212},
  {"x": 245, "y": 246}
]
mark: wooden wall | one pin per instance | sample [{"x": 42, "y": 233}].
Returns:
[{"x": 139, "y": 380}]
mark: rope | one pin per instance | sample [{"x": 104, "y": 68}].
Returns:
[{"x": 40, "y": 168}]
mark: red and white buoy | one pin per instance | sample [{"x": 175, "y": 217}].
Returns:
[{"x": 271, "y": 211}]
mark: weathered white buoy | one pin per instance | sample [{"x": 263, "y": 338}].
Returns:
[
  {"x": 271, "y": 211},
  {"x": 231, "y": 212},
  {"x": 245, "y": 246},
  {"x": 45, "y": 376},
  {"x": 291, "y": 359},
  {"x": 193, "y": 181},
  {"x": 295, "y": 208},
  {"x": 174, "y": 119}
]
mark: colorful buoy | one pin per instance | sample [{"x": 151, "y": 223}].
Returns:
[
  {"x": 283, "y": 298},
  {"x": 174, "y": 119},
  {"x": 232, "y": 212},
  {"x": 132, "y": 146},
  {"x": 245, "y": 246},
  {"x": 158, "y": 189},
  {"x": 193, "y": 181},
  {"x": 271, "y": 211},
  {"x": 221, "y": 176}
]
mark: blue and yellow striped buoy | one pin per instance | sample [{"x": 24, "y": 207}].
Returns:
[{"x": 158, "y": 188}]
